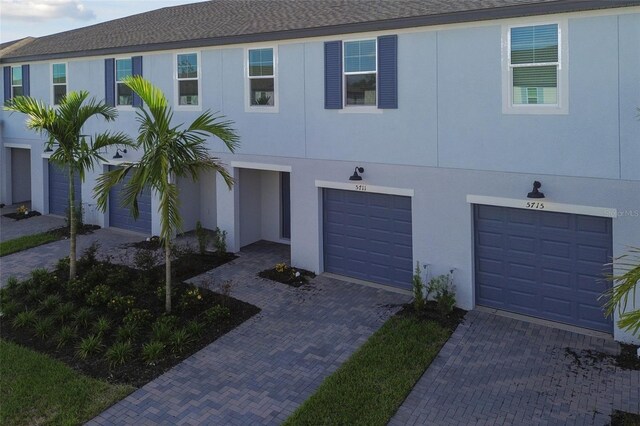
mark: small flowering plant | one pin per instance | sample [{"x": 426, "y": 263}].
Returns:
[
  {"x": 285, "y": 274},
  {"x": 191, "y": 298},
  {"x": 22, "y": 210},
  {"x": 121, "y": 303}
]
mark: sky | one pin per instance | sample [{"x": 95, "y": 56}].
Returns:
[{"x": 36, "y": 18}]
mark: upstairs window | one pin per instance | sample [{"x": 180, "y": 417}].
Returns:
[
  {"x": 534, "y": 64},
  {"x": 124, "y": 95},
  {"x": 360, "y": 72},
  {"x": 261, "y": 74},
  {"x": 16, "y": 82},
  {"x": 59, "y": 82},
  {"x": 187, "y": 76},
  {"x": 536, "y": 69}
]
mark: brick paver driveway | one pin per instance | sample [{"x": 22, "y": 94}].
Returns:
[
  {"x": 497, "y": 370},
  {"x": 261, "y": 371},
  {"x": 10, "y": 228}
]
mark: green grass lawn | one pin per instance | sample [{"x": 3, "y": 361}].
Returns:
[
  {"x": 26, "y": 242},
  {"x": 35, "y": 389},
  {"x": 370, "y": 386}
]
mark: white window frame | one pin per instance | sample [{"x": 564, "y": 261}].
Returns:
[
  {"x": 247, "y": 82},
  {"x": 13, "y": 85},
  {"x": 562, "y": 107},
  {"x": 116, "y": 81},
  {"x": 176, "y": 82},
  {"x": 362, "y": 108},
  {"x": 53, "y": 85}
]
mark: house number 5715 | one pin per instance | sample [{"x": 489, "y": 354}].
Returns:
[
  {"x": 361, "y": 187},
  {"x": 536, "y": 205}
]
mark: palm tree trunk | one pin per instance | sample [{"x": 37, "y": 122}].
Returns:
[
  {"x": 167, "y": 272},
  {"x": 72, "y": 226}
]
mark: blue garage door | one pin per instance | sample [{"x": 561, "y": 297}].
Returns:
[
  {"x": 368, "y": 236},
  {"x": 543, "y": 264},
  {"x": 120, "y": 217},
  {"x": 59, "y": 190}
]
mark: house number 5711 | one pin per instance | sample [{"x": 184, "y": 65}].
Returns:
[{"x": 361, "y": 187}]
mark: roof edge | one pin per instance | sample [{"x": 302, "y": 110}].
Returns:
[{"x": 559, "y": 6}]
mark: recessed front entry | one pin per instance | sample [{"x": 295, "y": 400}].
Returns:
[
  {"x": 120, "y": 217},
  {"x": 543, "y": 264},
  {"x": 59, "y": 190},
  {"x": 368, "y": 236}
]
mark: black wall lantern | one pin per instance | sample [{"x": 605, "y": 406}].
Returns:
[
  {"x": 48, "y": 149},
  {"x": 355, "y": 175},
  {"x": 535, "y": 193},
  {"x": 118, "y": 151}
]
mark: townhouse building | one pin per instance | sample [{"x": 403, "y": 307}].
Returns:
[{"x": 376, "y": 134}]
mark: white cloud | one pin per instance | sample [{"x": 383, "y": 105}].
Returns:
[{"x": 46, "y": 10}]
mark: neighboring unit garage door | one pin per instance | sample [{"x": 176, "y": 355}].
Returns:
[
  {"x": 59, "y": 190},
  {"x": 120, "y": 217},
  {"x": 368, "y": 236},
  {"x": 543, "y": 264}
]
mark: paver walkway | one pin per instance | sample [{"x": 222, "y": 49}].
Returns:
[
  {"x": 497, "y": 370},
  {"x": 263, "y": 370},
  {"x": 10, "y": 228}
]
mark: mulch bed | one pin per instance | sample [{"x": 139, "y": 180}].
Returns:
[
  {"x": 22, "y": 216},
  {"x": 623, "y": 418},
  {"x": 147, "y": 288},
  {"x": 288, "y": 276},
  {"x": 63, "y": 231},
  {"x": 431, "y": 313},
  {"x": 628, "y": 358}
]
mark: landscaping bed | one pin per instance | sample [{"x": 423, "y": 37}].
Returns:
[
  {"x": 110, "y": 322},
  {"x": 284, "y": 274},
  {"x": 22, "y": 216},
  {"x": 370, "y": 386},
  {"x": 623, "y": 418}
]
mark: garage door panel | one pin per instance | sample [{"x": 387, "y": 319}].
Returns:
[
  {"x": 120, "y": 216},
  {"x": 372, "y": 241},
  {"x": 59, "y": 190},
  {"x": 558, "y": 276}
]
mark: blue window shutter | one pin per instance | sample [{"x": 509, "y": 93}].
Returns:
[
  {"x": 109, "y": 82},
  {"x": 136, "y": 63},
  {"x": 388, "y": 72},
  {"x": 26, "y": 81},
  {"x": 333, "y": 74},
  {"x": 7, "y": 83}
]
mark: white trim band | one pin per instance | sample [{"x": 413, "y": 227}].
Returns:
[
  {"x": 362, "y": 186},
  {"x": 260, "y": 166},
  {"x": 542, "y": 204}
]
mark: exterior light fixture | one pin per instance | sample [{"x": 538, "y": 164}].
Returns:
[
  {"x": 355, "y": 175},
  {"x": 48, "y": 149},
  {"x": 535, "y": 193},
  {"x": 118, "y": 153}
]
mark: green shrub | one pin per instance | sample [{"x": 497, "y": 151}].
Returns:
[
  {"x": 119, "y": 353},
  {"x": 195, "y": 328},
  {"x": 153, "y": 352},
  {"x": 99, "y": 295},
  {"x": 88, "y": 346},
  {"x": 51, "y": 302},
  {"x": 202, "y": 236},
  {"x": 43, "y": 327},
  {"x": 78, "y": 287},
  {"x": 12, "y": 284},
  {"x": 418, "y": 289},
  {"x": 34, "y": 295},
  {"x": 83, "y": 316},
  {"x": 444, "y": 292},
  {"x": 102, "y": 325},
  {"x": 121, "y": 304},
  {"x": 145, "y": 260},
  {"x": 62, "y": 269},
  {"x": 127, "y": 332},
  {"x": 138, "y": 317},
  {"x": 42, "y": 279},
  {"x": 180, "y": 340},
  {"x": 89, "y": 257},
  {"x": 65, "y": 311},
  {"x": 220, "y": 240},
  {"x": 216, "y": 314},
  {"x": 191, "y": 298},
  {"x": 24, "y": 319},
  {"x": 65, "y": 336},
  {"x": 162, "y": 329},
  {"x": 9, "y": 308}
]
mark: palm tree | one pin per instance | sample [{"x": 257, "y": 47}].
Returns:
[
  {"x": 62, "y": 126},
  {"x": 168, "y": 152},
  {"x": 624, "y": 287}
]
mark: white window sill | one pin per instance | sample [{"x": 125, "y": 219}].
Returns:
[
  {"x": 535, "y": 110},
  {"x": 187, "y": 108},
  {"x": 361, "y": 110},
  {"x": 262, "y": 109}
]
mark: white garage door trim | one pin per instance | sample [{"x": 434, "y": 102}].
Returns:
[
  {"x": 363, "y": 186},
  {"x": 542, "y": 204}
]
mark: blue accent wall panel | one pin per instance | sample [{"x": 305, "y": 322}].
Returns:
[
  {"x": 120, "y": 216},
  {"x": 109, "y": 82},
  {"x": 368, "y": 236},
  {"x": 544, "y": 264},
  {"x": 26, "y": 81},
  {"x": 137, "y": 70},
  {"x": 333, "y": 75},
  {"x": 7, "y": 83},
  {"x": 388, "y": 72}
]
